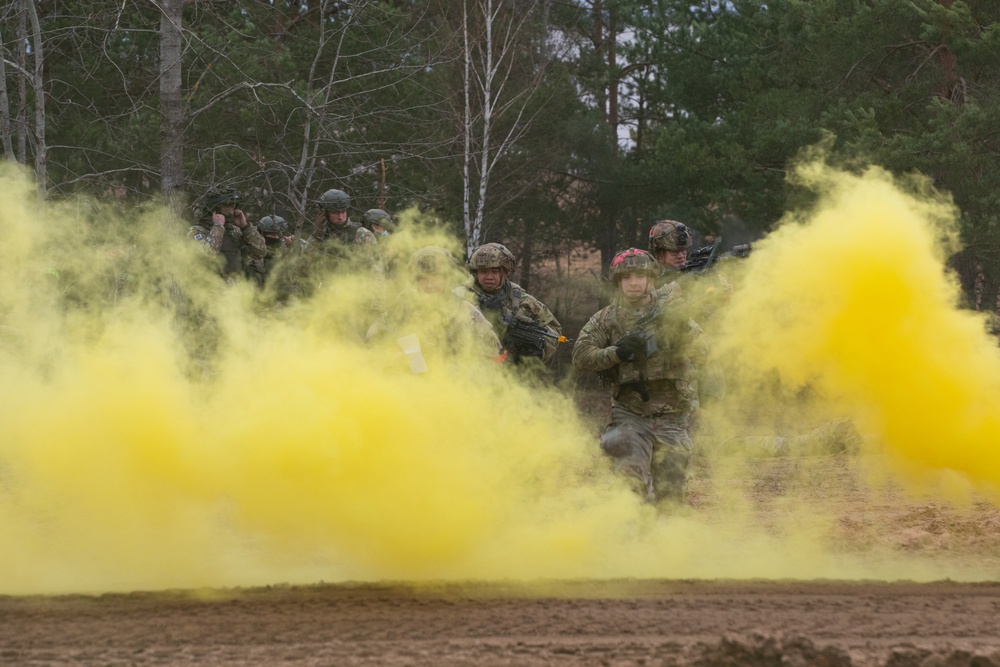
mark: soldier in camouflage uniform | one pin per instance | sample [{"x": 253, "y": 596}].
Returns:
[
  {"x": 278, "y": 245},
  {"x": 504, "y": 301},
  {"x": 669, "y": 241},
  {"x": 378, "y": 222},
  {"x": 649, "y": 359},
  {"x": 333, "y": 225},
  {"x": 433, "y": 270},
  {"x": 705, "y": 293},
  {"x": 225, "y": 231}
]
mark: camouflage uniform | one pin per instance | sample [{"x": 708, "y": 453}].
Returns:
[
  {"x": 334, "y": 247},
  {"x": 463, "y": 319},
  {"x": 653, "y": 397},
  {"x": 274, "y": 230},
  {"x": 510, "y": 302},
  {"x": 703, "y": 299},
  {"x": 236, "y": 245},
  {"x": 348, "y": 234},
  {"x": 377, "y": 217}
]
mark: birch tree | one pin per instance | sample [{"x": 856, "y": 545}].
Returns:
[{"x": 502, "y": 70}]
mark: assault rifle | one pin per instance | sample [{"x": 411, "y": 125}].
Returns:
[
  {"x": 524, "y": 338},
  {"x": 704, "y": 258}
]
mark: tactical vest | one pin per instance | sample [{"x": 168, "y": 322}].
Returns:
[
  {"x": 231, "y": 250},
  {"x": 670, "y": 361},
  {"x": 346, "y": 234},
  {"x": 503, "y": 304}
]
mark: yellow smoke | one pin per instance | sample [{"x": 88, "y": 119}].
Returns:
[
  {"x": 160, "y": 429},
  {"x": 851, "y": 304}
]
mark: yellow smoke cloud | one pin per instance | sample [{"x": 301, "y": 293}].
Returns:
[
  {"x": 852, "y": 304},
  {"x": 160, "y": 429}
]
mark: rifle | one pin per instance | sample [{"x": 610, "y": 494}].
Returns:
[
  {"x": 524, "y": 338},
  {"x": 704, "y": 258}
]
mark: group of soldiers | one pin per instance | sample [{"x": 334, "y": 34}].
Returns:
[
  {"x": 253, "y": 250},
  {"x": 645, "y": 344}
]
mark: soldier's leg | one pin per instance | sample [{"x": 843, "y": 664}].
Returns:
[
  {"x": 629, "y": 441},
  {"x": 671, "y": 457}
]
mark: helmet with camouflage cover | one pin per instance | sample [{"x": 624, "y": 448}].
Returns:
[
  {"x": 334, "y": 200},
  {"x": 633, "y": 260},
  {"x": 272, "y": 225},
  {"x": 376, "y": 216},
  {"x": 491, "y": 256},
  {"x": 669, "y": 235},
  {"x": 431, "y": 260},
  {"x": 216, "y": 197}
]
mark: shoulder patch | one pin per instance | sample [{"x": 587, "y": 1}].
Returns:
[{"x": 199, "y": 237}]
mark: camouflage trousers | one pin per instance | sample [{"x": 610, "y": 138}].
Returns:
[{"x": 654, "y": 452}]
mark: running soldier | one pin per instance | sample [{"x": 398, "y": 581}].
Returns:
[
  {"x": 444, "y": 323},
  {"x": 649, "y": 360},
  {"x": 508, "y": 306}
]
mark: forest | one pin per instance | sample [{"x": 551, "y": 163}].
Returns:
[{"x": 543, "y": 124}]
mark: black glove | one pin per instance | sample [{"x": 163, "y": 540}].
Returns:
[{"x": 628, "y": 348}]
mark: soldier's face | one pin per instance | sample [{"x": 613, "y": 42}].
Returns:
[
  {"x": 490, "y": 279},
  {"x": 432, "y": 283},
  {"x": 635, "y": 286},
  {"x": 336, "y": 217},
  {"x": 673, "y": 259},
  {"x": 227, "y": 209}
]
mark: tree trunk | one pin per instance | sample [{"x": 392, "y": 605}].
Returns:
[
  {"x": 5, "y": 125},
  {"x": 171, "y": 102},
  {"x": 38, "y": 81},
  {"x": 22, "y": 84}
]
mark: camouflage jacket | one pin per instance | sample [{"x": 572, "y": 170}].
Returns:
[
  {"x": 237, "y": 246},
  {"x": 511, "y": 303},
  {"x": 445, "y": 326},
  {"x": 668, "y": 375},
  {"x": 348, "y": 234}
]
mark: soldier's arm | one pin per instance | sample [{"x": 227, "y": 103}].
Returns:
[
  {"x": 256, "y": 246},
  {"x": 593, "y": 350},
  {"x": 541, "y": 316},
  {"x": 365, "y": 237},
  {"x": 212, "y": 241},
  {"x": 319, "y": 227}
]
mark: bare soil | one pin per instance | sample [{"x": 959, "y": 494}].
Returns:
[
  {"x": 601, "y": 623},
  {"x": 570, "y": 623}
]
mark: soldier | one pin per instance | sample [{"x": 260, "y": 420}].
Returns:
[
  {"x": 506, "y": 304},
  {"x": 433, "y": 271},
  {"x": 225, "y": 231},
  {"x": 669, "y": 242},
  {"x": 272, "y": 228},
  {"x": 378, "y": 221},
  {"x": 332, "y": 223},
  {"x": 650, "y": 363}
]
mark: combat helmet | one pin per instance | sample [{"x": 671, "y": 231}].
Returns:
[
  {"x": 669, "y": 235},
  {"x": 378, "y": 217},
  {"x": 216, "y": 197},
  {"x": 431, "y": 260},
  {"x": 633, "y": 260},
  {"x": 272, "y": 225},
  {"x": 491, "y": 256},
  {"x": 334, "y": 200}
]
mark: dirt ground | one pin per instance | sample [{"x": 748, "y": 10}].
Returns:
[
  {"x": 606, "y": 623},
  {"x": 572, "y": 623}
]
